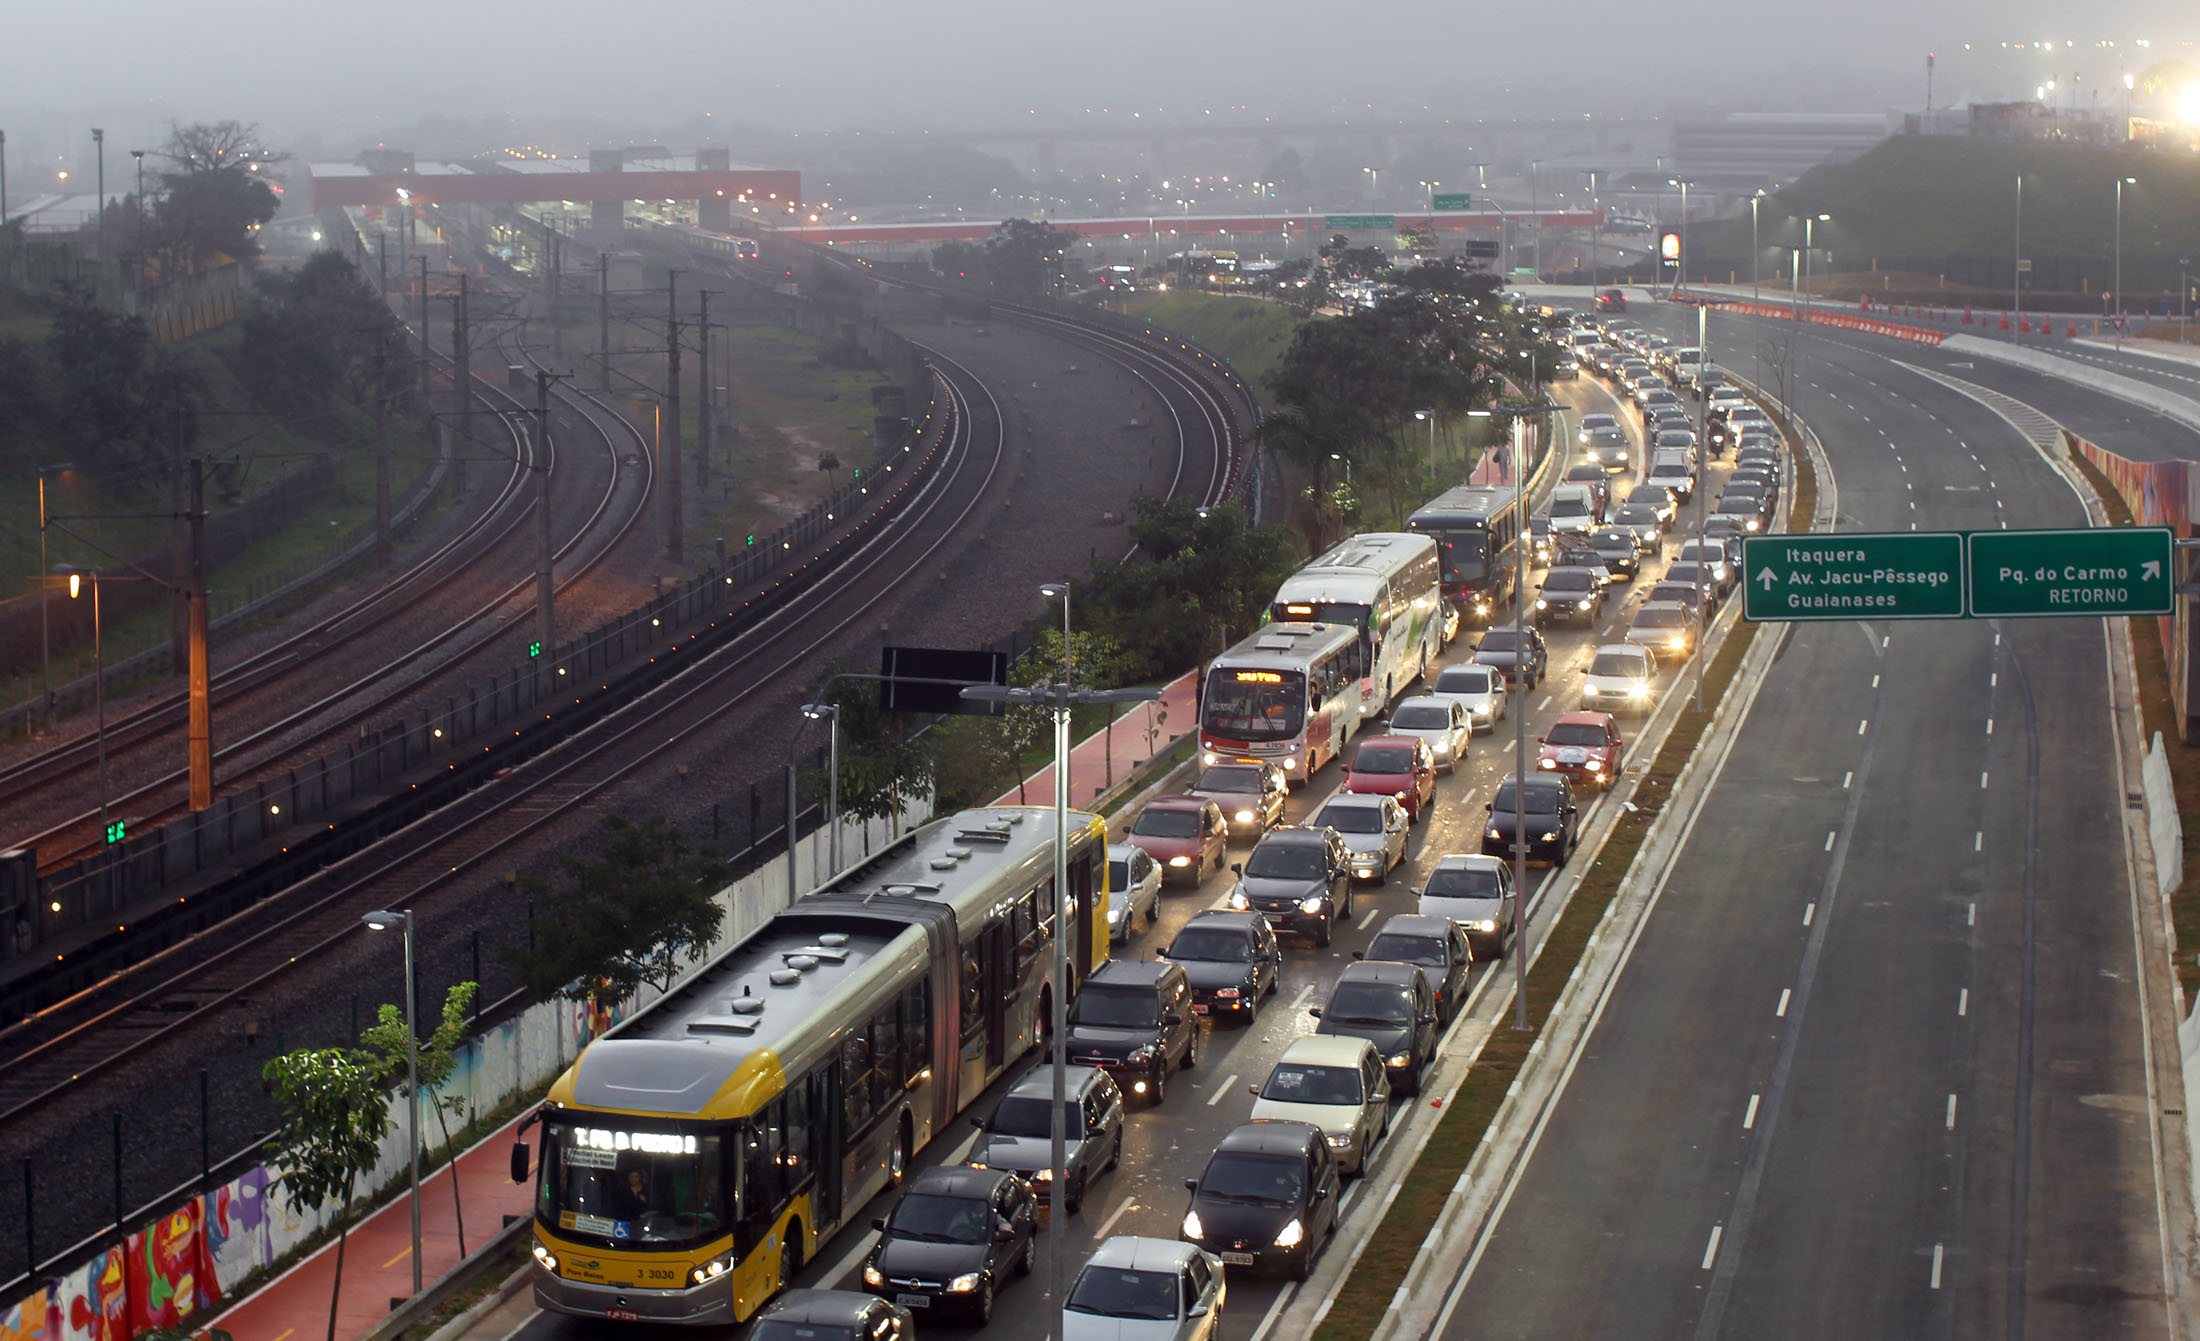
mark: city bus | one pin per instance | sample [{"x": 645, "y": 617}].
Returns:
[
  {"x": 1475, "y": 528},
  {"x": 1387, "y": 585},
  {"x": 1290, "y": 694},
  {"x": 697, "y": 1154}
]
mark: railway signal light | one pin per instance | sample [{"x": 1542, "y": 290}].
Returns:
[
  {"x": 534, "y": 649},
  {"x": 115, "y": 830}
]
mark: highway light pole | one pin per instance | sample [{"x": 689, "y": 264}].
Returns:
[
  {"x": 383, "y": 921},
  {"x": 99, "y": 143},
  {"x": 1429, "y": 415},
  {"x": 2016, "y": 259},
  {"x": 1060, "y": 700},
  {"x": 2121, "y": 183}
]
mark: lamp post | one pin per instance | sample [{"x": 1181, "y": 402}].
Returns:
[
  {"x": 2016, "y": 256},
  {"x": 1810, "y": 223},
  {"x": 45, "y": 633},
  {"x": 99, "y": 143},
  {"x": 1059, "y": 699},
  {"x": 139, "y": 199},
  {"x": 1429, "y": 415},
  {"x": 1519, "y": 416},
  {"x": 2121, "y": 183},
  {"x": 1596, "y": 233},
  {"x": 1060, "y": 591},
  {"x": 812, "y": 712},
  {"x": 383, "y": 921},
  {"x": 99, "y": 686}
]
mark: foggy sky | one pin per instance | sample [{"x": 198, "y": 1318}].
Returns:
[{"x": 310, "y": 67}]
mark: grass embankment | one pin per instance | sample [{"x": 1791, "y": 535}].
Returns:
[
  {"x": 2157, "y": 713},
  {"x": 1360, "y": 1304},
  {"x": 1250, "y": 334}
]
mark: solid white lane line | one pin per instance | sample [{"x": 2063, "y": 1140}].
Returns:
[
  {"x": 1989, "y": 726},
  {"x": 1936, "y": 1266},
  {"x": 1749, "y": 1119},
  {"x": 1951, "y": 1112},
  {"x": 1978, "y": 841},
  {"x": 1544, "y": 704},
  {"x": 1372, "y": 914},
  {"x": 1963, "y": 1001},
  {"x": 1711, "y": 1249},
  {"x": 1810, "y": 910},
  {"x": 1109, "y": 1223},
  {"x": 1970, "y": 915},
  {"x": 1229, "y": 1082},
  {"x": 1846, "y": 779},
  {"x": 1831, "y": 834},
  {"x": 1782, "y": 1009},
  {"x": 1982, "y": 780}
]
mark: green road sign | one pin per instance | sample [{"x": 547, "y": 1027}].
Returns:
[
  {"x": 1360, "y": 223},
  {"x": 2112, "y": 570},
  {"x": 1446, "y": 200},
  {"x": 1847, "y": 575}
]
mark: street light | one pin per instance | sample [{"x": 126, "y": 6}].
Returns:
[
  {"x": 1519, "y": 416},
  {"x": 1429, "y": 415},
  {"x": 812, "y": 712},
  {"x": 383, "y": 921},
  {"x": 2121, "y": 183},
  {"x": 1810, "y": 222},
  {"x": 139, "y": 156},
  {"x": 99, "y": 141},
  {"x": 1060, "y": 700},
  {"x": 99, "y": 686},
  {"x": 1060, "y": 591},
  {"x": 2016, "y": 257}
]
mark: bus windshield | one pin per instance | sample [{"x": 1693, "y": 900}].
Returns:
[
  {"x": 1466, "y": 555},
  {"x": 624, "y": 1187},
  {"x": 1255, "y": 705}
]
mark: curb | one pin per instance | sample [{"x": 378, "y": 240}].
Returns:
[{"x": 484, "y": 1306}]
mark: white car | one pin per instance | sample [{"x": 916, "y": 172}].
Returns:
[
  {"x": 1443, "y": 722},
  {"x": 1621, "y": 678},
  {"x": 1374, "y": 831},
  {"x": 1134, "y": 887},
  {"x": 1337, "y": 1084},
  {"x": 1146, "y": 1289},
  {"x": 1572, "y": 510},
  {"x": 1479, "y": 689}
]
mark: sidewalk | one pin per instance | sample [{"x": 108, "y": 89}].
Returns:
[
  {"x": 1105, "y": 758},
  {"x": 378, "y": 1252}
]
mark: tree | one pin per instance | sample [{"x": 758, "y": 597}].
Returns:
[
  {"x": 125, "y": 405},
  {"x": 959, "y": 260},
  {"x": 335, "y": 1114},
  {"x": 217, "y": 146},
  {"x": 624, "y": 917},
  {"x": 437, "y": 1056},
  {"x": 214, "y": 197},
  {"x": 882, "y": 763},
  {"x": 312, "y": 334},
  {"x": 1200, "y": 580},
  {"x": 1025, "y": 258}
]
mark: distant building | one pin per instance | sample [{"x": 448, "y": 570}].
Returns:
[{"x": 1742, "y": 151}]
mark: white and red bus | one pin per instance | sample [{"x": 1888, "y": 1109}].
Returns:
[{"x": 1289, "y": 694}]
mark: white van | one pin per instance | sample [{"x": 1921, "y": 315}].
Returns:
[{"x": 1573, "y": 509}]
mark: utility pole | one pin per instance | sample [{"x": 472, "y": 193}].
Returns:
[
  {"x": 462, "y": 364},
  {"x": 381, "y": 263},
  {"x": 675, "y": 526},
  {"x": 202, "y": 717},
  {"x": 179, "y": 550},
  {"x": 546, "y": 621},
  {"x": 427, "y": 351},
  {"x": 703, "y": 413},
  {"x": 603, "y": 318},
  {"x": 381, "y": 450}
]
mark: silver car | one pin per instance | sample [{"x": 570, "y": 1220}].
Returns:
[
  {"x": 1443, "y": 722},
  {"x": 1145, "y": 1289},
  {"x": 1134, "y": 890},
  {"x": 1374, "y": 832},
  {"x": 1479, "y": 689},
  {"x": 1018, "y": 1136}
]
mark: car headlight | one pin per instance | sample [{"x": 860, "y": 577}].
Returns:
[
  {"x": 1180, "y": 861},
  {"x": 547, "y": 1258},
  {"x": 1244, "y": 817},
  {"x": 1042, "y": 1175},
  {"x": 1293, "y": 1234},
  {"x": 1142, "y": 1054},
  {"x": 964, "y": 1283},
  {"x": 1486, "y": 924},
  {"x": 1340, "y": 1140},
  {"x": 872, "y": 1275},
  {"x": 1638, "y": 691},
  {"x": 1542, "y": 604},
  {"x": 1404, "y": 794},
  {"x": 1546, "y": 763},
  {"x": 1311, "y": 905},
  {"x": 1583, "y": 602},
  {"x": 1192, "y": 1228},
  {"x": 1553, "y": 835},
  {"x": 1236, "y": 900},
  {"x": 1751, "y": 524},
  {"x": 1677, "y": 640},
  {"x": 1115, "y": 915},
  {"x": 1494, "y": 833},
  {"x": 710, "y": 1270}
]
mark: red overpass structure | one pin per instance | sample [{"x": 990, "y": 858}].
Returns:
[
  {"x": 1170, "y": 225},
  {"x": 605, "y": 179}
]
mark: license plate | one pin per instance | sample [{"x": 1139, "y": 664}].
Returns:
[
  {"x": 1198, "y": 1009},
  {"x": 1237, "y": 1259},
  {"x": 913, "y": 1300},
  {"x": 622, "y": 1315}
]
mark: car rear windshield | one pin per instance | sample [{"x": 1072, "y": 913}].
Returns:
[
  {"x": 1116, "y": 1007},
  {"x": 1568, "y": 579},
  {"x": 1383, "y": 759},
  {"x": 1576, "y": 733},
  {"x": 1368, "y": 1003},
  {"x": 1226, "y": 944},
  {"x": 1616, "y": 663},
  {"x": 1463, "y": 680},
  {"x": 1650, "y": 618},
  {"x": 1399, "y": 948},
  {"x": 1298, "y": 1083},
  {"x": 1229, "y": 778},
  {"x": 1421, "y": 717},
  {"x": 1465, "y": 882},
  {"x": 1569, "y": 507},
  {"x": 1541, "y": 801},
  {"x": 1153, "y": 823}
]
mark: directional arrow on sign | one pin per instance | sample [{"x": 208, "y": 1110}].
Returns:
[
  {"x": 2150, "y": 570},
  {"x": 1768, "y": 577}
]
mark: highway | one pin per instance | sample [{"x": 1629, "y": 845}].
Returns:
[
  {"x": 1877, "y": 1066},
  {"x": 1165, "y": 1145}
]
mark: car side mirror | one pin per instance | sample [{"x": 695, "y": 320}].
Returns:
[
  {"x": 519, "y": 1161},
  {"x": 1321, "y": 1194},
  {"x": 1191, "y": 1185},
  {"x": 1541, "y": 739},
  {"x": 978, "y": 1122},
  {"x": 1428, "y": 1019},
  {"x": 1359, "y": 954},
  {"x": 1253, "y": 1090},
  {"x": 1490, "y": 806},
  {"x": 1196, "y": 1311},
  {"x": 1003, "y": 1231},
  {"x": 1172, "y": 1019}
]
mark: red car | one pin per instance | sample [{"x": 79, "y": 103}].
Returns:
[
  {"x": 1184, "y": 834},
  {"x": 1400, "y": 766},
  {"x": 1584, "y": 747}
]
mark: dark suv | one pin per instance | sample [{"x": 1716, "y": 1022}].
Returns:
[
  {"x": 1299, "y": 878},
  {"x": 1133, "y": 1019}
]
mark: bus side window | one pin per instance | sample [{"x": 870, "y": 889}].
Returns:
[
  {"x": 886, "y": 1050},
  {"x": 973, "y": 992},
  {"x": 916, "y": 1031},
  {"x": 855, "y": 1081},
  {"x": 800, "y": 1135}
]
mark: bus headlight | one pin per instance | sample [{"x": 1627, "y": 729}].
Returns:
[
  {"x": 1208, "y": 757},
  {"x": 547, "y": 1258},
  {"x": 710, "y": 1270},
  {"x": 1290, "y": 763}
]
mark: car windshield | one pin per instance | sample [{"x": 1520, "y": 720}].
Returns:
[
  {"x": 1569, "y": 579},
  {"x": 1399, "y": 948},
  {"x": 1235, "y": 1177},
  {"x": 1694, "y": 552},
  {"x": 1350, "y": 819},
  {"x": 1226, "y": 944},
  {"x": 1288, "y": 861},
  {"x": 1500, "y": 640},
  {"x": 938, "y": 1219},
  {"x": 1465, "y": 882},
  {"x": 1115, "y": 1007},
  {"x": 1541, "y": 801},
  {"x": 1026, "y": 1115},
  {"x": 1368, "y": 1003},
  {"x": 1229, "y": 779},
  {"x": 1736, "y": 506},
  {"x": 1742, "y": 489},
  {"x": 1576, "y": 733},
  {"x": 1650, "y": 617},
  {"x": 1157, "y": 822},
  {"x": 1421, "y": 717},
  {"x": 1569, "y": 507},
  {"x": 1636, "y": 514},
  {"x": 1299, "y": 1083},
  {"x": 1463, "y": 680},
  {"x": 1383, "y": 759},
  {"x": 1616, "y": 663},
  {"x": 1115, "y": 1292}
]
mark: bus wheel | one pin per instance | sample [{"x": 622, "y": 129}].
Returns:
[
  {"x": 790, "y": 1255},
  {"x": 897, "y": 1162}
]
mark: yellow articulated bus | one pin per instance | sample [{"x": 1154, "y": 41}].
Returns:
[{"x": 695, "y": 1156}]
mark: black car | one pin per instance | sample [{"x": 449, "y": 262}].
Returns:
[
  {"x": 1620, "y": 549},
  {"x": 1539, "y": 539},
  {"x": 1575, "y": 595},
  {"x": 1231, "y": 960},
  {"x": 1389, "y": 1005},
  {"x": 1267, "y": 1198},
  {"x": 1574, "y": 551},
  {"x": 832, "y": 1315},
  {"x": 1439, "y": 946},
  {"x": 1133, "y": 1019},
  {"x": 1517, "y": 651},
  {"x": 1299, "y": 878},
  {"x": 956, "y": 1234},
  {"x": 1553, "y": 821}
]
